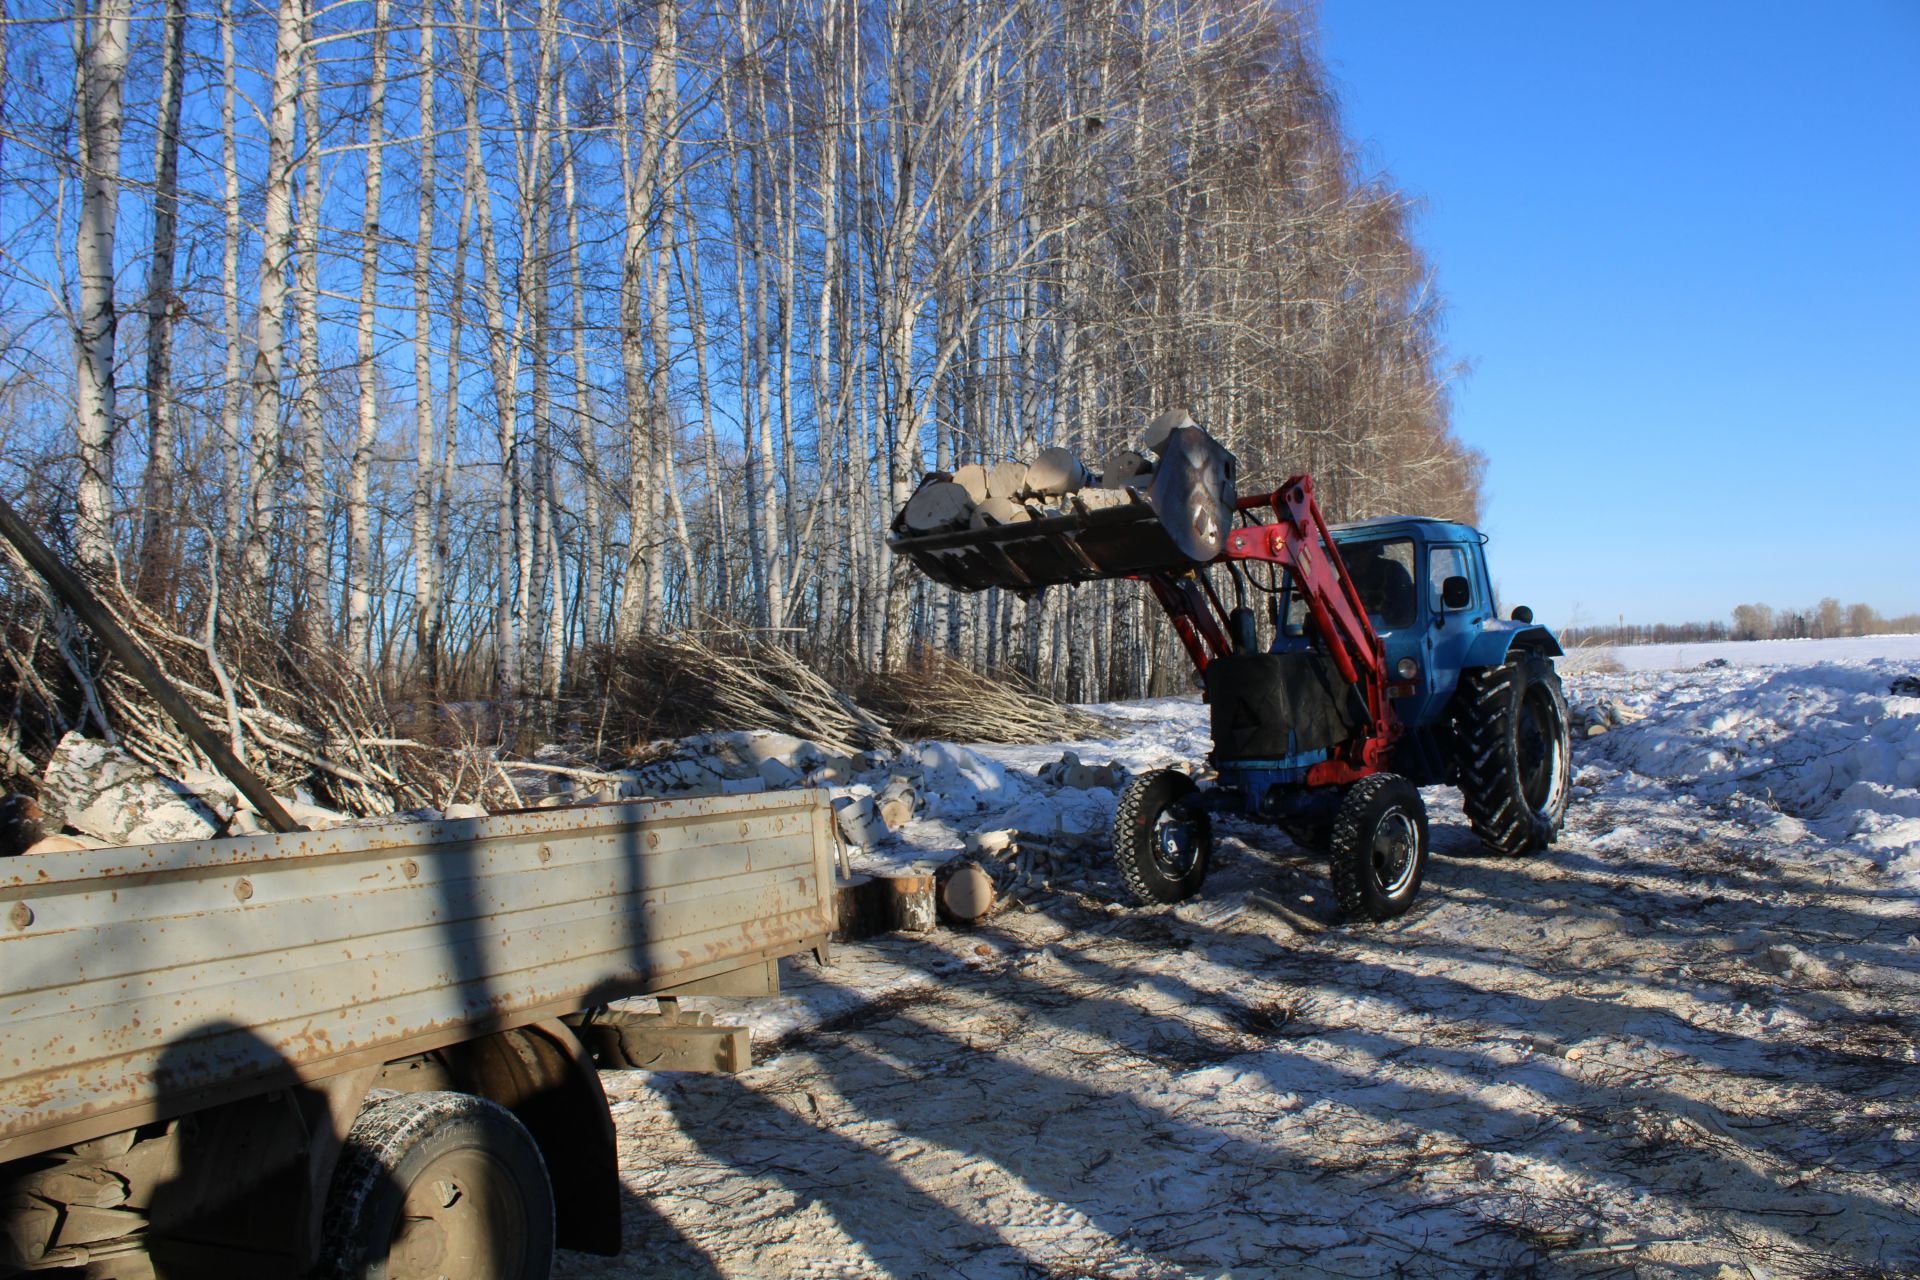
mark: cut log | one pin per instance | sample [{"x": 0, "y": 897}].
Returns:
[
  {"x": 1121, "y": 466},
  {"x": 909, "y": 903},
  {"x": 859, "y": 821},
  {"x": 1006, "y": 480},
  {"x": 1102, "y": 499},
  {"x": 990, "y": 841},
  {"x": 1165, "y": 425},
  {"x": 973, "y": 478},
  {"x": 966, "y": 893},
  {"x": 860, "y": 908},
  {"x": 999, "y": 511},
  {"x": 939, "y": 505},
  {"x": 897, "y": 803},
  {"x": 1054, "y": 473}
]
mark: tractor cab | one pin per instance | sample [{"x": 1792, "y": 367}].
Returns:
[{"x": 1426, "y": 590}]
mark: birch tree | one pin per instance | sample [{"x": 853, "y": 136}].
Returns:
[{"x": 100, "y": 52}]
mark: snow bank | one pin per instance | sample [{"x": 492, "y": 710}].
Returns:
[
  {"x": 1760, "y": 653},
  {"x": 1807, "y": 755}
]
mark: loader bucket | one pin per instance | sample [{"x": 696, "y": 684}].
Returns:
[{"x": 1178, "y": 521}]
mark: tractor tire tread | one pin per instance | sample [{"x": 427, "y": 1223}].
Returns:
[
  {"x": 1484, "y": 733},
  {"x": 1349, "y": 873},
  {"x": 1348, "y": 889},
  {"x": 1135, "y": 810}
]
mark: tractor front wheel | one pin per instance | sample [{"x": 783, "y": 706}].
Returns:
[
  {"x": 1516, "y": 753},
  {"x": 1379, "y": 847},
  {"x": 1162, "y": 840}
]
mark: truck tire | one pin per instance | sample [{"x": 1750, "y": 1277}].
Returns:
[
  {"x": 1379, "y": 847},
  {"x": 1163, "y": 842},
  {"x": 1515, "y": 753},
  {"x": 438, "y": 1184}
]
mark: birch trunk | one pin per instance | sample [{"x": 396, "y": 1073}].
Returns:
[
  {"x": 233, "y": 491},
  {"x": 313, "y": 619},
  {"x": 425, "y": 579},
  {"x": 585, "y": 416},
  {"x": 503, "y": 366},
  {"x": 367, "y": 419},
  {"x": 662, "y": 130},
  {"x": 101, "y": 49},
  {"x": 270, "y": 340},
  {"x": 156, "y": 490}
]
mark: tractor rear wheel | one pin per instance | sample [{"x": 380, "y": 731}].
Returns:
[
  {"x": 1379, "y": 847},
  {"x": 1515, "y": 749},
  {"x": 1162, "y": 841}
]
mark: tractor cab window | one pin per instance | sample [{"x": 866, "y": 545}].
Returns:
[
  {"x": 1383, "y": 574},
  {"x": 1444, "y": 563}
]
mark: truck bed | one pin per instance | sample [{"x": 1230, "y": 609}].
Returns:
[{"x": 143, "y": 982}]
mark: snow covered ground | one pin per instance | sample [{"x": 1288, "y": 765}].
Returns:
[
  {"x": 1682, "y": 1043},
  {"x": 1758, "y": 653}
]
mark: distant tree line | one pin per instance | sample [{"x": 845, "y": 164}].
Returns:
[
  {"x": 1823, "y": 621},
  {"x": 468, "y": 335}
]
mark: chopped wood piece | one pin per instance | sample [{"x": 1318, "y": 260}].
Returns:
[
  {"x": 898, "y": 803},
  {"x": 966, "y": 893},
  {"x": 1006, "y": 480},
  {"x": 999, "y": 511},
  {"x": 1054, "y": 473},
  {"x": 1102, "y": 499},
  {"x": 939, "y": 505},
  {"x": 973, "y": 478},
  {"x": 909, "y": 903},
  {"x": 1165, "y": 425},
  {"x": 1121, "y": 466}
]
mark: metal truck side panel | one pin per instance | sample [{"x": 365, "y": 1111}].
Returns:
[{"x": 136, "y": 983}]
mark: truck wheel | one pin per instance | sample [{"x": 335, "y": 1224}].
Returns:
[
  {"x": 1162, "y": 841},
  {"x": 1516, "y": 757},
  {"x": 438, "y": 1184},
  {"x": 1379, "y": 847}
]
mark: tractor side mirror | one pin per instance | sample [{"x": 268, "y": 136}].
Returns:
[{"x": 1456, "y": 592}]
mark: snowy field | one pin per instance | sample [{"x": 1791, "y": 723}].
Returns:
[
  {"x": 1682, "y": 1043},
  {"x": 1766, "y": 653}
]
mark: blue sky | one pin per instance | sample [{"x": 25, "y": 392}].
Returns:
[{"x": 1681, "y": 248}]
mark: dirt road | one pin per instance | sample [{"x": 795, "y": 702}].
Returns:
[{"x": 1655, "y": 1051}]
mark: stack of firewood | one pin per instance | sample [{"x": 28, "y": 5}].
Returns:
[{"x": 983, "y": 496}]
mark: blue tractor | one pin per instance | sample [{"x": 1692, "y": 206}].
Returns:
[{"x": 1344, "y": 667}]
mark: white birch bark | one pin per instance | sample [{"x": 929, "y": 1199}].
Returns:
[
  {"x": 314, "y": 617},
  {"x": 101, "y": 35},
  {"x": 234, "y": 489},
  {"x": 270, "y": 337},
  {"x": 585, "y": 414},
  {"x": 367, "y": 417},
  {"x": 425, "y": 577}
]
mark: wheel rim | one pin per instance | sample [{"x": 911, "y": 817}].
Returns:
[
  {"x": 462, "y": 1219},
  {"x": 1396, "y": 851},
  {"x": 1538, "y": 750},
  {"x": 1174, "y": 842}
]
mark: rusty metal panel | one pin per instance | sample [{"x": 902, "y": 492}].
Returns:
[{"x": 134, "y": 981}]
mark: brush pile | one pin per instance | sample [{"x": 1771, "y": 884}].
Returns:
[
  {"x": 298, "y": 714},
  {"x": 676, "y": 686},
  {"x": 940, "y": 699}
]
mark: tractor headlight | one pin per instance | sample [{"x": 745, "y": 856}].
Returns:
[{"x": 1406, "y": 668}]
